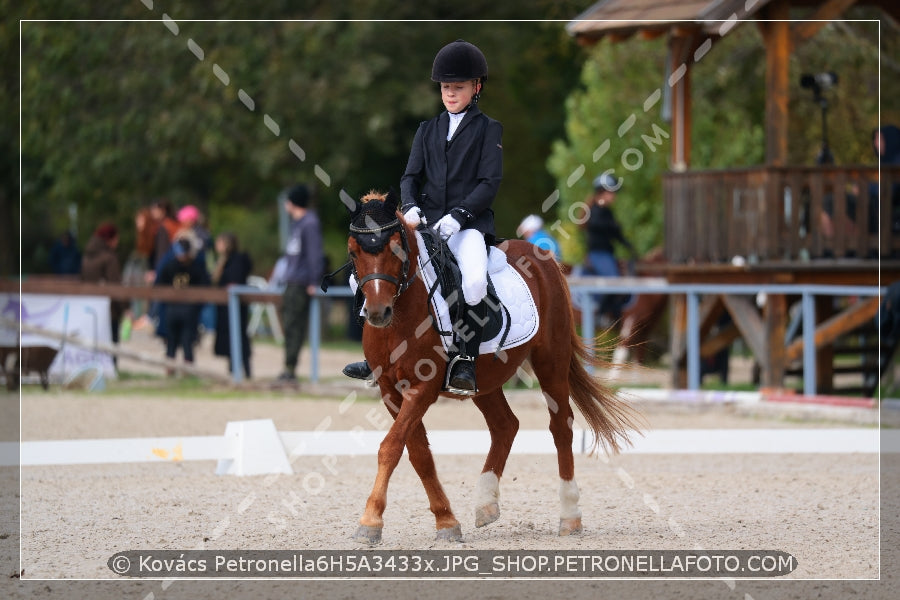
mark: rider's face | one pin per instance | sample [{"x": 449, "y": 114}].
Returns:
[{"x": 456, "y": 95}]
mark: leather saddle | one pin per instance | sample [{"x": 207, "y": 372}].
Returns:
[{"x": 449, "y": 283}]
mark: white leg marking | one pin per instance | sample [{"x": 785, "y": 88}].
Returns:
[
  {"x": 487, "y": 490},
  {"x": 568, "y": 498}
]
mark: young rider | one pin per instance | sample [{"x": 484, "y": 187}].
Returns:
[{"x": 454, "y": 171}]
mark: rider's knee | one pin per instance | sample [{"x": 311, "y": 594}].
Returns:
[{"x": 474, "y": 292}]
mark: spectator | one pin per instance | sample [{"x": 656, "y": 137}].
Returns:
[
  {"x": 140, "y": 260},
  {"x": 232, "y": 268},
  {"x": 184, "y": 271},
  {"x": 886, "y": 147},
  {"x": 531, "y": 229},
  {"x": 101, "y": 265},
  {"x": 603, "y": 230},
  {"x": 886, "y": 144},
  {"x": 65, "y": 258},
  {"x": 190, "y": 217},
  {"x": 303, "y": 271},
  {"x": 166, "y": 227}
]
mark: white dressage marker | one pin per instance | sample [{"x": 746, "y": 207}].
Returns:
[{"x": 254, "y": 449}]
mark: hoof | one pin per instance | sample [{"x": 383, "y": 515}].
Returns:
[
  {"x": 487, "y": 514},
  {"x": 368, "y": 535},
  {"x": 569, "y": 526},
  {"x": 450, "y": 534}
]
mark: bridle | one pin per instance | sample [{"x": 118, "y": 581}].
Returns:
[{"x": 405, "y": 280}]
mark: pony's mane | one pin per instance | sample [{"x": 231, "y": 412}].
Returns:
[{"x": 373, "y": 195}]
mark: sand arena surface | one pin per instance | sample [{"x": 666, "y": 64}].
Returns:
[{"x": 821, "y": 508}]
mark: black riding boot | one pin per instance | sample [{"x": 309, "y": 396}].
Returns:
[
  {"x": 358, "y": 370},
  {"x": 461, "y": 370}
]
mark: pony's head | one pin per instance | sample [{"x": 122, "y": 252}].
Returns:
[{"x": 379, "y": 250}]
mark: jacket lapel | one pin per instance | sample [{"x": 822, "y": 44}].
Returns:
[
  {"x": 468, "y": 118},
  {"x": 443, "y": 127}
]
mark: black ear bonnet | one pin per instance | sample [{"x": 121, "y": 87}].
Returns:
[{"x": 374, "y": 222}]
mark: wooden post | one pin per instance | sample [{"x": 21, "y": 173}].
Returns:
[
  {"x": 682, "y": 44},
  {"x": 777, "y": 38},
  {"x": 679, "y": 337},
  {"x": 774, "y": 363},
  {"x": 824, "y": 351}
]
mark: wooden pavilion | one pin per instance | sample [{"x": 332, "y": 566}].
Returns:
[{"x": 765, "y": 209}]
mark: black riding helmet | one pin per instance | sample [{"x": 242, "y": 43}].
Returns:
[{"x": 460, "y": 61}]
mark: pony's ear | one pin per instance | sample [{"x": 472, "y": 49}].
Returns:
[{"x": 392, "y": 200}]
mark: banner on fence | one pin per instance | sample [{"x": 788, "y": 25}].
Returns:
[{"x": 84, "y": 317}]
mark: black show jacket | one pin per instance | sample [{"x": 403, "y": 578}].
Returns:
[{"x": 462, "y": 173}]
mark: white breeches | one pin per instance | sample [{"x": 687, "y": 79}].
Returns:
[{"x": 471, "y": 253}]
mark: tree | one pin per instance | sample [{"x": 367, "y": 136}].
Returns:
[
  {"x": 226, "y": 114},
  {"x": 615, "y": 83}
]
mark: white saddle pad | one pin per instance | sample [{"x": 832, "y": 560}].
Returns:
[{"x": 523, "y": 317}]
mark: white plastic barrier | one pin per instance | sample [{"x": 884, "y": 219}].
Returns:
[{"x": 256, "y": 448}]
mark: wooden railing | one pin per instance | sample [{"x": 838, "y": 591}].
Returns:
[
  {"x": 71, "y": 286},
  {"x": 782, "y": 213}
]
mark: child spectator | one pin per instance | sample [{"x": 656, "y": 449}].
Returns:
[{"x": 182, "y": 318}]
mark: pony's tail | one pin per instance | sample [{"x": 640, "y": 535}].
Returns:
[{"x": 610, "y": 417}]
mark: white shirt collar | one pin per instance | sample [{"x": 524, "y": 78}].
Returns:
[{"x": 455, "y": 119}]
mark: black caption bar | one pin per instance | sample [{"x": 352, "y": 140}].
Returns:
[{"x": 451, "y": 563}]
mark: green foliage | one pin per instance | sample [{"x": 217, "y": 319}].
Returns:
[
  {"x": 615, "y": 84},
  {"x": 729, "y": 95},
  {"x": 117, "y": 114}
]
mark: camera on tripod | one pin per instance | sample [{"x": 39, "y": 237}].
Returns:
[{"x": 819, "y": 82}]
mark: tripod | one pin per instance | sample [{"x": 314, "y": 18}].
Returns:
[{"x": 825, "y": 156}]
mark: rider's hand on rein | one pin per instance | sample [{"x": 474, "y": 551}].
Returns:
[
  {"x": 414, "y": 216},
  {"x": 447, "y": 226}
]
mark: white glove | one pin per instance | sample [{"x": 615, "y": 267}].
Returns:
[
  {"x": 414, "y": 216},
  {"x": 447, "y": 226}
]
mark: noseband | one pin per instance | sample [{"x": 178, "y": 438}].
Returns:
[{"x": 379, "y": 232}]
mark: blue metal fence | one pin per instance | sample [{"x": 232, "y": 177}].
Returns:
[{"x": 583, "y": 288}]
